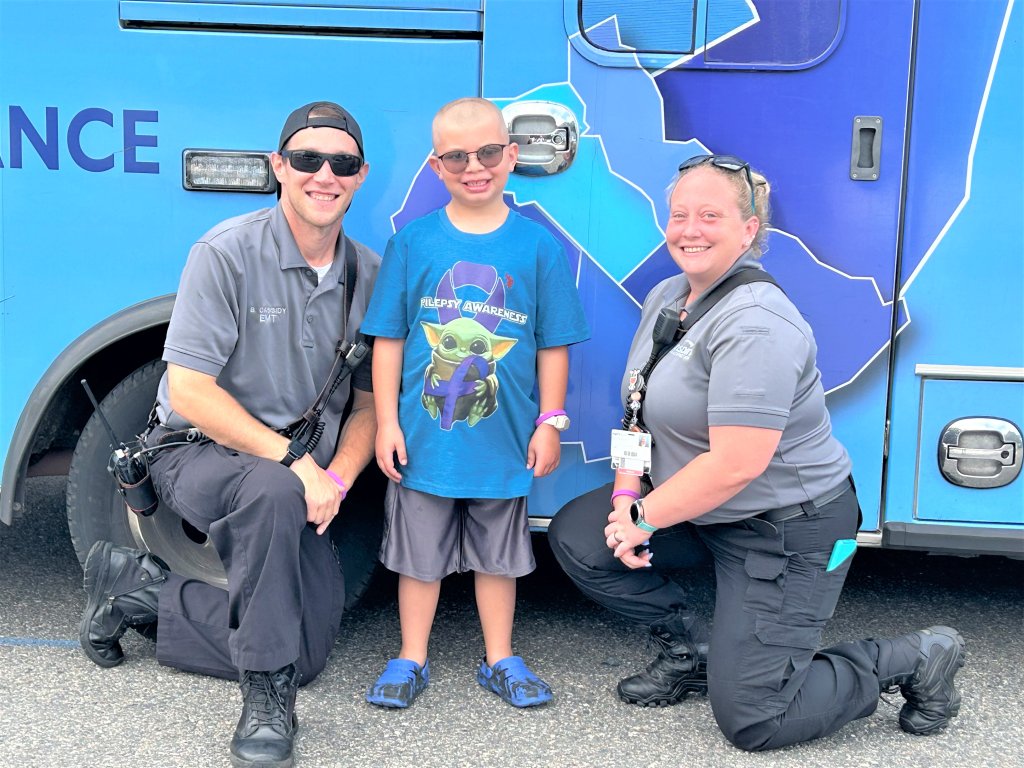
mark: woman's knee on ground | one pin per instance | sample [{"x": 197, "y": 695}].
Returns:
[{"x": 745, "y": 725}]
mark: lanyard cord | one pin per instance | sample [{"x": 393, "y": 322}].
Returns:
[{"x": 667, "y": 331}]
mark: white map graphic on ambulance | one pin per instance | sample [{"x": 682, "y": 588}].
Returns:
[{"x": 607, "y": 210}]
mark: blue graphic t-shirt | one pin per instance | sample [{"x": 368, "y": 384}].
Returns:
[{"x": 473, "y": 310}]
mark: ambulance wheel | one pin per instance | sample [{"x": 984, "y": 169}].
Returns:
[{"x": 96, "y": 511}]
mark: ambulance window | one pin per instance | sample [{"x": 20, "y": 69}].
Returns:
[
  {"x": 705, "y": 34},
  {"x": 456, "y": 18},
  {"x": 786, "y": 33},
  {"x": 650, "y": 26}
]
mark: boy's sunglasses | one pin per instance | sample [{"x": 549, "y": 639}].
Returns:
[
  {"x": 726, "y": 163},
  {"x": 456, "y": 161},
  {"x": 308, "y": 161}
]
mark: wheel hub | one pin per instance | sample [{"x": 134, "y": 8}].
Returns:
[{"x": 187, "y": 550}]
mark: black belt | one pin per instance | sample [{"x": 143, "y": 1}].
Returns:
[
  {"x": 807, "y": 507},
  {"x": 161, "y": 436}
]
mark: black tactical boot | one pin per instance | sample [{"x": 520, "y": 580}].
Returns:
[
  {"x": 266, "y": 730},
  {"x": 681, "y": 668},
  {"x": 123, "y": 587},
  {"x": 931, "y": 699}
]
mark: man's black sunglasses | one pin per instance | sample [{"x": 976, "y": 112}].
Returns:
[
  {"x": 726, "y": 163},
  {"x": 308, "y": 161}
]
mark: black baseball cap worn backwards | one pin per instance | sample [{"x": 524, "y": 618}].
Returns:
[{"x": 321, "y": 114}]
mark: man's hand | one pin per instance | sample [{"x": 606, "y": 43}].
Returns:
[
  {"x": 391, "y": 441},
  {"x": 323, "y": 495},
  {"x": 544, "y": 451}
]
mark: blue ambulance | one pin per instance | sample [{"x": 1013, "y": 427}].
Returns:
[{"x": 891, "y": 130}]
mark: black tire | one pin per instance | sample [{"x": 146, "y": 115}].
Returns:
[{"x": 96, "y": 511}]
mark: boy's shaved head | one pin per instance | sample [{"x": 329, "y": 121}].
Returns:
[{"x": 470, "y": 111}]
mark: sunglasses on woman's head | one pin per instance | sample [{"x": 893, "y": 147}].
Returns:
[
  {"x": 456, "y": 161},
  {"x": 726, "y": 163},
  {"x": 309, "y": 161}
]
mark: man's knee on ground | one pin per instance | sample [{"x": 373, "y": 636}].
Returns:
[{"x": 309, "y": 669}]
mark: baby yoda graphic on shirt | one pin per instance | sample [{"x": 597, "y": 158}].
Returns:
[{"x": 461, "y": 381}]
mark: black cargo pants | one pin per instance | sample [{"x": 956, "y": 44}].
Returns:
[
  {"x": 285, "y": 590},
  {"x": 768, "y": 682}
]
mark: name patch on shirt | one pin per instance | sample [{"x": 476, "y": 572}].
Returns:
[{"x": 268, "y": 314}]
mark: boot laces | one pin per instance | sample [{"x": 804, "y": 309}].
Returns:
[
  {"x": 659, "y": 640},
  {"x": 266, "y": 701}
]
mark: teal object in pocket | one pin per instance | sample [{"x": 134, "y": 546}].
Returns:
[{"x": 841, "y": 552}]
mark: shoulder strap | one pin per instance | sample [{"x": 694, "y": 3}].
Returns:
[
  {"x": 704, "y": 306},
  {"x": 350, "y": 282},
  {"x": 350, "y": 271},
  {"x": 723, "y": 289}
]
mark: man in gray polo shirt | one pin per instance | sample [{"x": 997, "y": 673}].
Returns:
[{"x": 262, "y": 305}]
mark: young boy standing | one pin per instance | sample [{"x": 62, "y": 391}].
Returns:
[{"x": 474, "y": 306}]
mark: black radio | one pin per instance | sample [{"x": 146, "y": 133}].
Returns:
[{"x": 129, "y": 466}]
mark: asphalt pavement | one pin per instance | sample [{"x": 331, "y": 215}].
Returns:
[{"x": 59, "y": 709}]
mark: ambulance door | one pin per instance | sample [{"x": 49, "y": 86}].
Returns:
[{"x": 812, "y": 93}]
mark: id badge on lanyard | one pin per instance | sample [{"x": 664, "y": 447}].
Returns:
[
  {"x": 631, "y": 446},
  {"x": 631, "y": 452}
]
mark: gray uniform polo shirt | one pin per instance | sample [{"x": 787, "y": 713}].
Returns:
[
  {"x": 750, "y": 361},
  {"x": 250, "y": 312}
]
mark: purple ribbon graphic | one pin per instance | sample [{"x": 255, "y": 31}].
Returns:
[
  {"x": 480, "y": 276},
  {"x": 456, "y": 387}
]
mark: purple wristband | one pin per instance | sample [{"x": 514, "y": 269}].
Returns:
[
  {"x": 548, "y": 414},
  {"x": 339, "y": 481},
  {"x": 625, "y": 492}
]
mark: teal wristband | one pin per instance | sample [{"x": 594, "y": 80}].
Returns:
[{"x": 643, "y": 525}]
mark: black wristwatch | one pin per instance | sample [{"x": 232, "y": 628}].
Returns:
[{"x": 296, "y": 450}]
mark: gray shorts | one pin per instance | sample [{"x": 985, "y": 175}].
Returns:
[{"x": 428, "y": 537}]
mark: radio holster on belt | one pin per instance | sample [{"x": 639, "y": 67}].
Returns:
[{"x": 129, "y": 466}]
